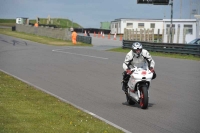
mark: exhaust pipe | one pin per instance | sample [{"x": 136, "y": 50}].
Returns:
[{"x": 134, "y": 96}]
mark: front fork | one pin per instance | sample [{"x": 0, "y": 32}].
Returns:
[{"x": 138, "y": 91}]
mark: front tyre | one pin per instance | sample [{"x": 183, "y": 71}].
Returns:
[{"x": 144, "y": 99}]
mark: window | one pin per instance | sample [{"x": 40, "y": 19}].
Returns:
[
  {"x": 129, "y": 25},
  {"x": 113, "y": 25},
  {"x": 152, "y": 25},
  {"x": 189, "y": 29},
  {"x": 168, "y": 27},
  {"x": 140, "y": 25}
]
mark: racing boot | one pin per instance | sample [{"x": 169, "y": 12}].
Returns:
[
  {"x": 124, "y": 86},
  {"x": 125, "y": 81}
]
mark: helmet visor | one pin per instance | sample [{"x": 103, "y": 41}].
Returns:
[{"x": 137, "y": 51}]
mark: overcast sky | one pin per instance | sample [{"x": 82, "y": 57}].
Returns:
[{"x": 89, "y": 13}]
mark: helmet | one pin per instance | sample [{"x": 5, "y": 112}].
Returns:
[{"x": 137, "y": 49}]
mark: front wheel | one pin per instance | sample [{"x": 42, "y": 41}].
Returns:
[{"x": 144, "y": 99}]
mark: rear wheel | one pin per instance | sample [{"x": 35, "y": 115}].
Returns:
[
  {"x": 144, "y": 99},
  {"x": 129, "y": 100}
]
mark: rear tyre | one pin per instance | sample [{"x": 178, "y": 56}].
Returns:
[{"x": 144, "y": 99}]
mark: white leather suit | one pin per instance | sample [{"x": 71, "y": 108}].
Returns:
[{"x": 132, "y": 60}]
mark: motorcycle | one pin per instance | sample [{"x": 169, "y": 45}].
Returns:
[{"x": 138, "y": 87}]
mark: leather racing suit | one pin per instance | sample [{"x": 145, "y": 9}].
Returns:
[{"x": 132, "y": 60}]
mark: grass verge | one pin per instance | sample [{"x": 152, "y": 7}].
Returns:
[
  {"x": 40, "y": 39},
  {"x": 171, "y": 55},
  {"x": 24, "y": 109}
]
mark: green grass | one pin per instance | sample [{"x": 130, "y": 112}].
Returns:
[
  {"x": 59, "y": 22},
  {"x": 40, "y": 39},
  {"x": 171, "y": 55},
  {"x": 24, "y": 109},
  {"x": 7, "y": 20}
]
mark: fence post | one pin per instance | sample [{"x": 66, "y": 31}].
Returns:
[
  {"x": 145, "y": 34},
  {"x": 173, "y": 32},
  {"x": 158, "y": 35},
  {"x": 136, "y": 32},
  {"x": 124, "y": 33},
  {"x": 129, "y": 34},
  {"x": 184, "y": 34},
  {"x": 133, "y": 34},
  {"x": 168, "y": 35},
  {"x": 152, "y": 35},
  {"x": 163, "y": 33},
  {"x": 178, "y": 33},
  {"x": 148, "y": 35}
]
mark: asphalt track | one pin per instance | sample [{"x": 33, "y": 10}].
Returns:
[{"x": 89, "y": 78}]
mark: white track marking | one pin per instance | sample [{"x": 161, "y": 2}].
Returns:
[
  {"x": 64, "y": 100},
  {"x": 59, "y": 50}
]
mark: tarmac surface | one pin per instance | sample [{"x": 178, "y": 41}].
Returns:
[{"x": 90, "y": 79}]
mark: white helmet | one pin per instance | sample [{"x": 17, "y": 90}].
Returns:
[{"x": 137, "y": 49}]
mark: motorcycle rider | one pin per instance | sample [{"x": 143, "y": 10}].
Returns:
[{"x": 137, "y": 57}]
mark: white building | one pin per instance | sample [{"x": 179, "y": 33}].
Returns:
[
  {"x": 22, "y": 20},
  {"x": 198, "y": 25},
  {"x": 188, "y": 24},
  {"x": 118, "y": 26}
]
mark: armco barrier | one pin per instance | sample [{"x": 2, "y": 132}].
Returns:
[
  {"x": 166, "y": 47},
  {"x": 84, "y": 39}
]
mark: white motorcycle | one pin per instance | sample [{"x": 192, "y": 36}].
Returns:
[{"x": 138, "y": 87}]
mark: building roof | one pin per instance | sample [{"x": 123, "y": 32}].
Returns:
[
  {"x": 181, "y": 20},
  {"x": 137, "y": 19},
  {"x": 159, "y": 20},
  {"x": 21, "y": 17}
]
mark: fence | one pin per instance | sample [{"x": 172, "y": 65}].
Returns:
[
  {"x": 139, "y": 35},
  {"x": 84, "y": 39},
  {"x": 158, "y": 35},
  {"x": 166, "y": 47}
]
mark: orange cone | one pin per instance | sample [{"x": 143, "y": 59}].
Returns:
[
  {"x": 108, "y": 36},
  {"x": 120, "y": 38},
  {"x": 115, "y": 36},
  {"x": 103, "y": 35}
]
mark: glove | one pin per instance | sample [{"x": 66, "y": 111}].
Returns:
[
  {"x": 128, "y": 71},
  {"x": 151, "y": 69}
]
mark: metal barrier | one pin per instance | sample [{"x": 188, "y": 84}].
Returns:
[
  {"x": 166, "y": 47},
  {"x": 84, "y": 39}
]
